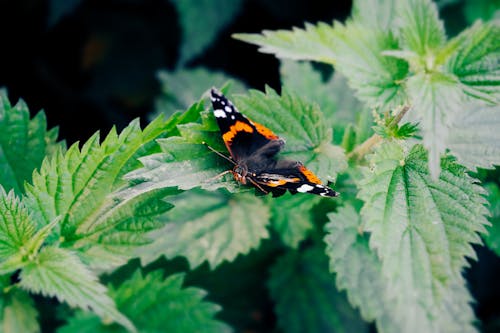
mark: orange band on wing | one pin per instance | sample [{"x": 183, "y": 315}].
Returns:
[
  {"x": 310, "y": 176},
  {"x": 279, "y": 182},
  {"x": 239, "y": 126},
  {"x": 265, "y": 132}
]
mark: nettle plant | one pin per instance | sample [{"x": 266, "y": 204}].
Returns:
[{"x": 400, "y": 128}]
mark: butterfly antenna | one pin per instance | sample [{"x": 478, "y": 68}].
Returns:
[{"x": 219, "y": 153}]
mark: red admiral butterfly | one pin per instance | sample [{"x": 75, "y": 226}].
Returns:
[{"x": 253, "y": 148}]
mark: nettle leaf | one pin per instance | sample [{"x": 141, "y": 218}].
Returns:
[
  {"x": 292, "y": 217},
  {"x": 157, "y": 305},
  {"x": 359, "y": 272},
  {"x": 435, "y": 98},
  {"x": 16, "y": 227},
  {"x": 24, "y": 142},
  {"x": 60, "y": 273},
  {"x": 185, "y": 162},
  {"x": 376, "y": 78},
  {"x": 481, "y": 10},
  {"x": 475, "y": 60},
  {"x": 422, "y": 228},
  {"x": 374, "y": 14},
  {"x": 301, "y": 79},
  {"x": 312, "y": 43},
  {"x": 17, "y": 310},
  {"x": 492, "y": 239},
  {"x": 308, "y": 138},
  {"x": 420, "y": 29},
  {"x": 306, "y": 297},
  {"x": 182, "y": 88},
  {"x": 201, "y": 21},
  {"x": 474, "y": 136},
  {"x": 76, "y": 185},
  {"x": 222, "y": 226},
  {"x": 336, "y": 100}
]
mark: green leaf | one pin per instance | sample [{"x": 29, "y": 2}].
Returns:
[
  {"x": 16, "y": 227},
  {"x": 185, "y": 162},
  {"x": 17, "y": 311},
  {"x": 24, "y": 142},
  {"x": 302, "y": 80},
  {"x": 475, "y": 60},
  {"x": 76, "y": 186},
  {"x": 201, "y": 21},
  {"x": 312, "y": 43},
  {"x": 336, "y": 100},
  {"x": 375, "y": 14},
  {"x": 156, "y": 304},
  {"x": 420, "y": 28},
  {"x": 358, "y": 269},
  {"x": 292, "y": 217},
  {"x": 359, "y": 272},
  {"x": 301, "y": 124},
  {"x": 474, "y": 136},
  {"x": 492, "y": 239},
  {"x": 376, "y": 78},
  {"x": 59, "y": 273},
  {"x": 422, "y": 228},
  {"x": 435, "y": 98},
  {"x": 220, "y": 227},
  {"x": 182, "y": 88},
  {"x": 306, "y": 297},
  {"x": 481, "y": 10}
]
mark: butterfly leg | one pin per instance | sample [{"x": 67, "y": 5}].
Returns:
[{"x": 257, "y": 185}]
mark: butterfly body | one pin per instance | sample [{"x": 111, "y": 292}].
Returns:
[{"x": 253, "y": 148}]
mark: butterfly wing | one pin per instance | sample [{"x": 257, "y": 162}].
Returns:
[
  {"x": 243, "y": 137},
  {"x": 294, "y": 177}
]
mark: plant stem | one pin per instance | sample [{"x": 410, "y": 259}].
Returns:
[{"x": 364, "y": 148}]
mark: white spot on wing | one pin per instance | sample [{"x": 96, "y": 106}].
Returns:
[
  {"x": 219, "y": 113},
  {"x": 232, "y": 117},
  {"x": 228, "y": 109},
  {"x": 304, "y": 188}
]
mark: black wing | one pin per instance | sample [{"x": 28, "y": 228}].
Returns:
[
  {"x": 242, "y": 136},
  {"x": 294, "y": 177}
]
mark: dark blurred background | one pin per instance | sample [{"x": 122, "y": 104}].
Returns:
[{"x": 92, "y": 64}]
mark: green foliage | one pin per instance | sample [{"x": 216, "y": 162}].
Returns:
[
  {"x": 157, "y": 304},
  {"x": 397, "y": 240},
  {"x": 306, "y": 297},
  {"x": 182, "y": 88},
  {"x": 17, "y": 311},
  {"x": 201, "y": 21},
  {"x": 409, "y": 62},
  {"x": 24, "y": 143},
  {"x": 76, "y": 186},
  {"x": 420, "y": 227},
  {"x": 60, "y": 273},
  {"x": 212, "y": 226}
]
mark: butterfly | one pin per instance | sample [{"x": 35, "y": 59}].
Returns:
[{"x": 253, "y": 149}]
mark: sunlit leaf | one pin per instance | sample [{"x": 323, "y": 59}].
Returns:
[
  {"x": 211, "y": 226},
  {"x": 475, "y": 60},
  {"x": 59, "y": 273}
]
